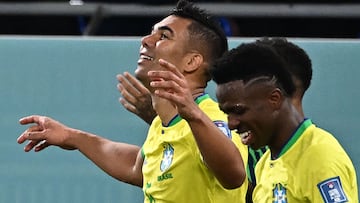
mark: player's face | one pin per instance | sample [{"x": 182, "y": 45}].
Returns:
[
  {"x": 168, "y": 40},
  {"x": 248, "y": 110}
]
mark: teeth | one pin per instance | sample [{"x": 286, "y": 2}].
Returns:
[
  {"x": 147, "y": 58},
  {"x": 244, "y": 134}
]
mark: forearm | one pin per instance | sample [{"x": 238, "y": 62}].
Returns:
[
  {"x": 219, "y": 152},
  {"x": 119, "y": 160}
]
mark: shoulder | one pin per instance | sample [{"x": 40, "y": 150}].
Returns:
[
  {"x": 321, "y": 145},
  {"x": 211, "y": 109},
  {"x": 325, "y": 155}
]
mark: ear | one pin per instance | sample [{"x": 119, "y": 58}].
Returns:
[
  {"x": 193, "y": 61},
  {"x": 276, "y": 98}
]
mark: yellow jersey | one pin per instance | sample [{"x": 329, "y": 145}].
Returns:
[
  {"x": 312, "y": 167},
  {"x": 173, "y": 168}
]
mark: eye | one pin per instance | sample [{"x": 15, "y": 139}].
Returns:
[
  {"x": 238, "y": 111},
  {"x": 164, "y": 36},
  {"x": 235, "y": 110}
]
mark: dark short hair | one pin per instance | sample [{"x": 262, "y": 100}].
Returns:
[
  {"x": 205, "y": 28},
  {"x": 297, "y": 60},
  {"x": 252, "y": 60}
]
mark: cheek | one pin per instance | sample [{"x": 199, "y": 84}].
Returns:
[
  {"x": 264, "y": 125},
  {"x": 169, "y": 52},
  {"x": 258, "y": 121},
  {"x": 233, "y": 122},
  {"x": 164, "y": 48}
]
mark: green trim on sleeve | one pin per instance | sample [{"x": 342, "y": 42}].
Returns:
[{"x": 142, "y": 153}]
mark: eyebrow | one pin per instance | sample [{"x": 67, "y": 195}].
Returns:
[
  {"x": 233, "y": 108},
  {"x": 164, "y": 28}
]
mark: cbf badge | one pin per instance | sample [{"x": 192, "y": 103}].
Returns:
[
  {"x": 168, "y": 155},
  {"x": 223, "y": 127},
  {"x": 331, "y": 190},
  {"x": 279, "y": 194}
]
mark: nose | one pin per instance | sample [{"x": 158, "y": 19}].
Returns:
[
  {"x": 148, "y": 40},
  {"x": 233, "y": 122}
]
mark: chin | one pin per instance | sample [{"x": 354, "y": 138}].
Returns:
[
  {"x": 140, "y": 74},
  {"x": 143, "y": 78}
]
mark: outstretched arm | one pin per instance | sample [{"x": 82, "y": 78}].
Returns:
[
  {"x": 121, "y": 161},
  {"x": 217, "y": 150},
  {"x": 136, "y": 97}
]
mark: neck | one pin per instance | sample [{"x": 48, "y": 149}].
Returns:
[
  {"x": 164, "y": 109},
  {"x": 298, "y": 105},
  {"x": 289, "y": 120}
]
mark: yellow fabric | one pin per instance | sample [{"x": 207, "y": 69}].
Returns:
[
  {"x": 185, "y": 178},
  {"x": 316, "y": 156}
]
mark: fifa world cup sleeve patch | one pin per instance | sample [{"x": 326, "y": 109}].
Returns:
[
  {"x": 331, "y": 190},
  {"x": 223, "y": 126}
]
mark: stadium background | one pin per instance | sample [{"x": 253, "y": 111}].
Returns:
[{"x": 47, "y": 68}]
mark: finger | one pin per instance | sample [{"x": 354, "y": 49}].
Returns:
[
  {"x": 41, "y": 145},
  {"x": 128, "y": 86},
  {"x": 165, "y": 76},
  {"x": 160, "y": 75},
  {"x": 30, "y": 145},
  {"x": 39, "y": 120},
  {"x": 128, "y": 106},
  {"x": 36, "y": 135},
  {"x": 28, "y": 120},
  {"x": 167, "y": 95},
  {"x": 24, "y": 135},
  {"x": 22, "y": 138},
  {"x": 126, "y": 95},
  {"x": 136, "y": 83},
  {"x": 34, "y": 128},
  {"x": 167, "y": 86},
  {"x": 171, "y": 67}
]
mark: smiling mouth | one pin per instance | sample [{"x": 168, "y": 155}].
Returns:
[
  {"x": 146, "y": 57},
  {"x": 245, "y": 135}
]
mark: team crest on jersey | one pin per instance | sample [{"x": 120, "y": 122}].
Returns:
[
  {"x": 223, "y": 127},
  {"x": 167, "y": 159},
  {"x": 279, "y": 194},
  {"x": 331, "y": 190}
]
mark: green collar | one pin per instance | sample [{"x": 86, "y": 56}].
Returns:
[
  {"x": 201, "y": 98},
  {"x": 300, "y": 130},
  {"x": 178, "y": 118}
]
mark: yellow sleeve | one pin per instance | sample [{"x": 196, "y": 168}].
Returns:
[{"x": 331, "y": 175}]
